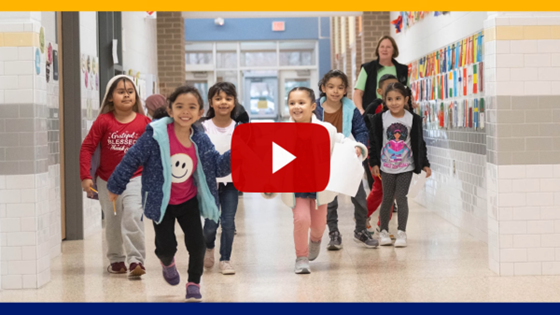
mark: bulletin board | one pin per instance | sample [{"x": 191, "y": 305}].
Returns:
[{"x": 448, "y": 85}]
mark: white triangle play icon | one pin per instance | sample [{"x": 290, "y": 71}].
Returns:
[{"x": 280, "y": 157}]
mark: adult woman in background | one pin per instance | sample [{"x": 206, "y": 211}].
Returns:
[{"x": 365, "y": 90}]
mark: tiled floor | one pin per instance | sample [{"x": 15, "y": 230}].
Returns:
[{"x": 441, "y": 263}]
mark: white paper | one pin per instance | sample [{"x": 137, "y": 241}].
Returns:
[
  {"x": 222, "y": 143},
  {"x": 115, "y": 55},
  {"x": 418, "y": 182},
  {"x": 346, "y": 170}
]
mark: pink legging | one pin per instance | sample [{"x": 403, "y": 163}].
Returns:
[{"x": 306, "y": 217}]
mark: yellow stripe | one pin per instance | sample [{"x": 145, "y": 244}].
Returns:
[
  {"x": 19, "y": 39},
  {"x": 518, "y": 32},
  {"x": 286, "y": 5}
]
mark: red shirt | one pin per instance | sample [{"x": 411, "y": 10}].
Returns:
[
  {"x": 183, "y": 165},
  {"x": 115, "y": 139}
]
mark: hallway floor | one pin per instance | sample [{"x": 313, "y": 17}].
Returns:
[{"x": 441, "y": 263}]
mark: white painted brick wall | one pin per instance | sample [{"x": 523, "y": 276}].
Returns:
[{"x": 529, "y": 235}]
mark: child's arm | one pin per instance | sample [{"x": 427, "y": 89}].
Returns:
[
  {"x": 136, "y": 156},
  {"x": 359, "y": 129},
  {"x": 89, "y": 145},
  {"x": 340, "y": 138},
  {"x": 88, "y": 148},
  {"x": 374, "y": 158},
  {"x": 222, "y": 162},
  {"x": 426, "y": 164}
]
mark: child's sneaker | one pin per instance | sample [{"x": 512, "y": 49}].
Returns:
[
  {"x": 377, "y": 229},
  {"x": 336, "y": 241},
  {"x": 314, "y": 249},
  {"x": 116, "y": 268},
  {"x": 136, "y": 270},
  {"x": 365, "y": 239},
  {"x": 193, "y": 292},
  {"x": 369, "y": 227},
  {"x": 209, "y": 258},
  {"x": 226, "y": 268},
  {"x": 170, "y": 273},
  {"x": 401, "y": 239},
  {"x": 384, "y": 238},
  {"x": 302, "y": 266}
]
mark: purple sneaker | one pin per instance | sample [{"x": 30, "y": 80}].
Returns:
[
  {"x": 170, "y": 273},
  {"x": 193, "y": 292}
]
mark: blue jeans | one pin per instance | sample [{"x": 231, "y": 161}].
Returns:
[{"x": 229, "y": 197}]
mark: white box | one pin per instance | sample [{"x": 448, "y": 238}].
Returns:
[
  {"x": 22, "y": 239},
  {"x": 20, "y": 181},
  {"x": 526, "y": 213},
  {"x": 12, "y": 282},
  {"x": 23, "y": 267},
  {"x": 513, "y": 227},
  {"x": 506, "y": 241},
  {"x": 8, "y": 54},
  {"x": 541, "y": 254},
  {"x": 539, "y": 171},
  {"x": 21, "y": 210},
  {"x": 18, "y": 67},
  {"x": 551, "y": 268},
  {"x": 513, "y": 255},
  {"x": 29, "y": 252},
  {"x": 11, "y": 254},
  {"x": 526, "y": 241},
  {"x": 506, "y": 269},
  {"x": 540, "y": 227},
  {"x": 540, "y": 199},
  {"x": 29, "y": 281},
  {"x": 549, "y": 46},
  {"x": 537, "y": 60},
  {"x": 10, "y": 225},
  {"x": 527, "y": 269},
  {"x": 550, "y": 240},
  {"x": 511, "y": 171},
  {"x": 26, "y": 53}
]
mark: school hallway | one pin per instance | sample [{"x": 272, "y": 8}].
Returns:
[{"x": 441, "y": 263}]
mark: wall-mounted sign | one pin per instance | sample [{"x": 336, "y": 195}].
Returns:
[
  {"x": 37, "y": 61},
  {"x": 278, "y": 26},
  {"x": 42, "y": 39},
  {"x": 55, "y": 65}
]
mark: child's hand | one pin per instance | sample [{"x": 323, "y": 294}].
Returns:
[
  {"x": 358, "y": 152},
  {"x": 428, "y": 171},
  {"x": 375, "y": 172},
  {"x": 87, "y": 185},
  {"x": 112, "y": 196}
]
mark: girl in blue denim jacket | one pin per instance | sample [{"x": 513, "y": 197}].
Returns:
[{"x": 180, "y": 167}]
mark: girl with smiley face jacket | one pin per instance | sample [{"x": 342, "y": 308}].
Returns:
[{"x": 180, "y": 167}]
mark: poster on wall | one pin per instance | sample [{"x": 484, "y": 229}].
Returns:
[
  {"x": 37, "y": 61},
  {"x": 42, "y": 39},
  {"x": 48, "y": 62},
  {"x": 55, "y": 65}
]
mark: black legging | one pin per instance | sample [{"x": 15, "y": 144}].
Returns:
[{"x": 395, "y": 186}]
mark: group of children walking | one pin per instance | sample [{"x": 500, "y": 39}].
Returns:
[{"x": 168, "y": 170}]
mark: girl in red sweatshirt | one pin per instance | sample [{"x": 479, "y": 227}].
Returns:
[{"x": 120, "y": 123}]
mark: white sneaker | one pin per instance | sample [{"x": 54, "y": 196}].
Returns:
[
  {"x": 209, "y": 258},
  {"x": 384, "y": 238},
  {"x": 226, "y": 268},
  {"x": 401, "y": 239}
]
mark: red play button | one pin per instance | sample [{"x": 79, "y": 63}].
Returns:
[{"x": 280, "y": 157}]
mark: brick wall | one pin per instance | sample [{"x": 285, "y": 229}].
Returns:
[
  {"x": 375, "y": 25},
  {"x": 359, "y": 45},
  {"x": 170, "y": 50}
]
